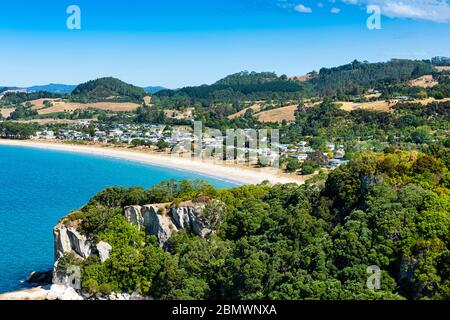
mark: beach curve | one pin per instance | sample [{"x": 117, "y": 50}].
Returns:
[{"x": 236, "y": 174}]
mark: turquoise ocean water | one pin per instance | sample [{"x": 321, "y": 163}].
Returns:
[{"x": 39, "y": 187}]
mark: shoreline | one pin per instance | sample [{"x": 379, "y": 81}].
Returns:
[{"x": 231, "y": 173}]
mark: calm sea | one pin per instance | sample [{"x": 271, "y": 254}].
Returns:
[{"x": 39, "y": 187}]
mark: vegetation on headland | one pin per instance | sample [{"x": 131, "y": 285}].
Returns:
[{"x": 315, "y": 241}]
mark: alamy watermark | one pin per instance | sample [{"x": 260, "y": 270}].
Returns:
[
  {"x": 374, "y": 20},
  {"x": 73, "y": 22},
  {"x": 374, "y": 279}
]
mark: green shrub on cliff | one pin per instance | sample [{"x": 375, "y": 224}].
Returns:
[{"x": 132, "y": 265}]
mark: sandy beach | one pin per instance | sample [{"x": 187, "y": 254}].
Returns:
[{"x": 238, "y": 174}]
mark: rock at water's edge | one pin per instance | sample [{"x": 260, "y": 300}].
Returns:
[{"x": 40, "y": 277}]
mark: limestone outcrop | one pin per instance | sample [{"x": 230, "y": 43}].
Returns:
[
  {"x": 163, "y": 220},
  {"x": 189, "y": 216},
  {"x": 68, "y": 239},
  {"x": 104, "y": 250}
]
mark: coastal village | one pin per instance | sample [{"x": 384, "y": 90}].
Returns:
[{"x": 166, "y": 138}]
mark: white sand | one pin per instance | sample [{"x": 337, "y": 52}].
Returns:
[{"x": 225, "y": 172}]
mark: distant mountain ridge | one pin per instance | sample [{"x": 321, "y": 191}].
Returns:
[
  {"x": 53, "y": 88},
  {"x": 67, "y": 88}
]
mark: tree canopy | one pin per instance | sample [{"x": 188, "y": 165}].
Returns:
[{"x": 288, "y": 241}]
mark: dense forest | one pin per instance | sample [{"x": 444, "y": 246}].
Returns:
[
  {"x": 243, "y": 85},
  {"x": 315, "y": 241},
  {"x": 357, "y": 76},
  {"x": 388, "y": 206},
  {"x": 350, "y": 79}
]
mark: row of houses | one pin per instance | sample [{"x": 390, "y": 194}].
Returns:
[{"x": 184, "y": 140}]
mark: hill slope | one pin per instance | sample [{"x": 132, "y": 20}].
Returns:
[
  {"x": 240, "y": 85},
  {"x": 110, "y": 89},
  {"x": 354, "y": 77},
  {"x": 349, "y": 79}
]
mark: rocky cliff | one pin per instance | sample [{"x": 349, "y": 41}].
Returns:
[
  {"x": 161, "y": 220},
  {"x": 68, "y": 239}
]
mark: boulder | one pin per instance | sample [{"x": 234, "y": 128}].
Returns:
[
  {"x": 40, "y": 277},
  {"x": 104, "y": 250},
  {"x": 38, "y": 293},
  {"x": 125, "y": 296}
]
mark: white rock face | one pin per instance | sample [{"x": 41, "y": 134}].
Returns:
[
  {"x": 181, "y": 217},
  {"x": 70, "y": 276},
  {"x": 61, "y": 292},
  {"x": 134, "y": 216},
  {"x": 104, "y": 250},
  {"x": 68, "y": 239},
  {"x": 162, "y": 225},
  {"x": 187, "y": 217},
  {"x": 156, "y": 224}
]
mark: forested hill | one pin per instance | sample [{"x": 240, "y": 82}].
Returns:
[
  {"x": 107, "y": 89},
  {"x": 239, "y": 85},
  {"x": 354, "y": 77},
  {"x": 347, "y": 79}
]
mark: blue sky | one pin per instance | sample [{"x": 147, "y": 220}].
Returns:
[{"x": 174, "y": 43}]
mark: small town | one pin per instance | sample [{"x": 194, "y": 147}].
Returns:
[{"x": 166, "y": 138}]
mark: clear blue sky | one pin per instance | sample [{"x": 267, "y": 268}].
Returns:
[{"x": 174, "y": 43}]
